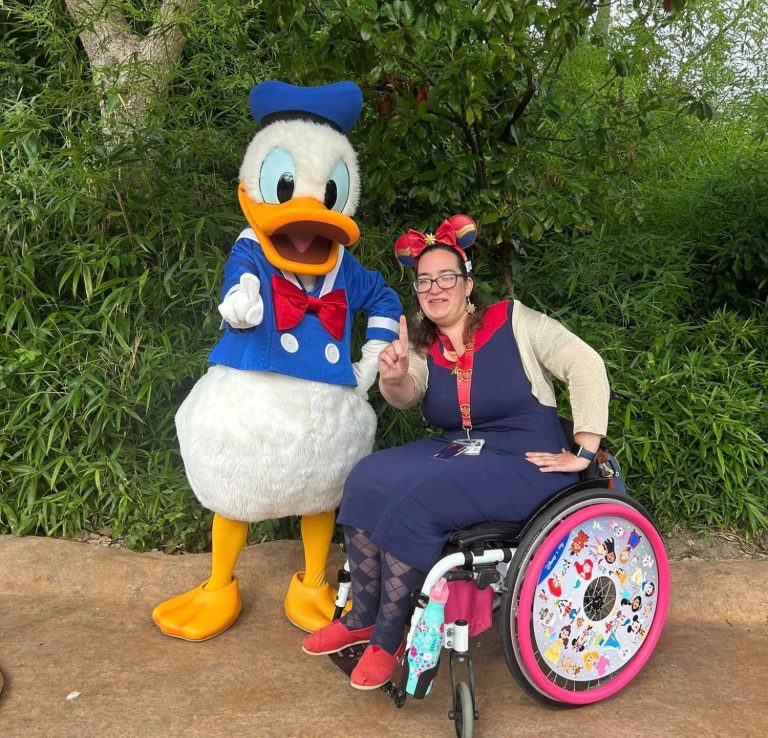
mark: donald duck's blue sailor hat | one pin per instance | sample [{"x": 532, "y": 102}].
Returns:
[{"x": 337, "y": 105}]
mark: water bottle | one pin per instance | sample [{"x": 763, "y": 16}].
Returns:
[{"x": 427, "y": 642}]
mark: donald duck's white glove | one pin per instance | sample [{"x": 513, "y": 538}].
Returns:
[
  {"x": 243, "y": 306},
  {"x": 368, "y": 367}
]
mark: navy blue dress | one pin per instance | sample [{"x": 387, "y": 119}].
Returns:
[{"x": 410, "y": 502}]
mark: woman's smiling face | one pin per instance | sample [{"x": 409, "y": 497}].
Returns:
[{"x": 444, "y": 307}]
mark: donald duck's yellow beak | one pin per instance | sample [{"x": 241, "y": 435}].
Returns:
[{"x": 300, "y": 235}]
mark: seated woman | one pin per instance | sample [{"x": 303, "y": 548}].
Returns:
[{"x": 482, "y": 374}]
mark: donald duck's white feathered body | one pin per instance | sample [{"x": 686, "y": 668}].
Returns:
[
  {"x": 259, "y": 445},
  {"x": 279, "y": 420}
]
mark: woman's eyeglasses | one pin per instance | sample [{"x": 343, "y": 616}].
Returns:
[{"x": 444, "y": 281}]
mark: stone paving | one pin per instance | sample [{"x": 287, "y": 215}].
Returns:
[{"x": 81, "y": 657}]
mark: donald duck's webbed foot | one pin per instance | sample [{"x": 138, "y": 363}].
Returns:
[
  {"x": 311, "y": 602},
  {"x": 200, "y": 613},
  {"x": 213, "y": 606},
  {"x": 309, "y": 608}
]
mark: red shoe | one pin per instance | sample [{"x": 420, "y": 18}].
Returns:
[
  {"x": 334, "y": 638},
  {"x": 375, "y": 668}
]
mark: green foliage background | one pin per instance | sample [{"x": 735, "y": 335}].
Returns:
[{"x": 617, "y": 167}]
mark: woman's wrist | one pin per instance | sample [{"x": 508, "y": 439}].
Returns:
[
  {"x": 583, "y": 453},
  {"x": 398, "y": 392},
  {"x": 589, "y": 442}
]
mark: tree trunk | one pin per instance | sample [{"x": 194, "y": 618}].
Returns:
[
  {"x": 602, "y": 20},
  {"x": 130, "y": 70}
]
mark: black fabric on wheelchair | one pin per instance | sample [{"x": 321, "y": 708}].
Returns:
[
  {"x": 567, "y": 426},
  {"x": 485, "y": 533}
]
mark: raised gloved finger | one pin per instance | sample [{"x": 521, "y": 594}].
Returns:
[{"x": 251, "y": 286}]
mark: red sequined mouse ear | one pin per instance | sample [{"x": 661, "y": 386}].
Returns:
[
  {"x": 465, "y": 229},
  {"x": 408, "y": 247},
  {"x": 457, "y": 232}
]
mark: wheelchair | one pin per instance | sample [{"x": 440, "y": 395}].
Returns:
[{"x": 581, "y": 590}]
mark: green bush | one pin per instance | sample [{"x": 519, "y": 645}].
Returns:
[
  {"x": 695, "y": 434},
  {"x": 108, "y": 286},
  {"x": 728, "y": 218},
  {"x": 108, "y": 298},
  {"x": 693, "y": 438},
  {"x": 112, "y": 251}
]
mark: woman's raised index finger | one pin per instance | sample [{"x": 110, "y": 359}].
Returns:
[{"x": 404, "y": 332}]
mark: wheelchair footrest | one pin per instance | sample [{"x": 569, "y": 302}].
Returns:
[{"x": 347, "y": 659}]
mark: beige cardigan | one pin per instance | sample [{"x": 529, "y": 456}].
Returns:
[{"x": 546, "y": 348}]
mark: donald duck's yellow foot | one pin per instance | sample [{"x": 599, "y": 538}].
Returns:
[
  {"x": 200, "y": 613},
  {"x": 310, "y": 608}
]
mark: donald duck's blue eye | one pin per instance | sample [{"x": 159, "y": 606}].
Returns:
[
  {"x": 337, "y": 187},
  {"x": 277, "y": 178}
]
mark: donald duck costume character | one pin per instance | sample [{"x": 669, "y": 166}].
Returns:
[{"x": 276, "y": 424}]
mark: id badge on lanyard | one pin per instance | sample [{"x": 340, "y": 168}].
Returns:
[
  {"x": 463, "y": 371},
  {"x": 463, "y": 446}
]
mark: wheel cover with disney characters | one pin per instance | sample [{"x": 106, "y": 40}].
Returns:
[{"x": 593, "y": 603}]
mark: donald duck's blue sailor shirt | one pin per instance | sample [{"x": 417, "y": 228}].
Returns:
[{"x": 307, "y": 350}]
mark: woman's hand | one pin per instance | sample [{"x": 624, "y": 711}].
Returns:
[
  {"x": 393, "y": 359},
  {"x": 565, "y": 461}
]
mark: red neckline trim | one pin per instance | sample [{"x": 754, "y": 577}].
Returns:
[{"x": 495, "y": 317}]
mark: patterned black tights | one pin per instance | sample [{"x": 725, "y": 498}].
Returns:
[{"x": 381, "y": 590}]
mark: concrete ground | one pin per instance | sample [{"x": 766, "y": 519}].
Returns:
[{"x": 76, "y": 618}]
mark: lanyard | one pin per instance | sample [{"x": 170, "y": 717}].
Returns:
[{"x": 463, "y": 371}]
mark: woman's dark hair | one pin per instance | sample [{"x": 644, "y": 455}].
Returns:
[{"x": 424, "y": 332}]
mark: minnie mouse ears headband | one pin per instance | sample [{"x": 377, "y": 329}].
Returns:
[{"x": 458, "y": 233}]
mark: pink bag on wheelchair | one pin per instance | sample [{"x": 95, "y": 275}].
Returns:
[{"x": 467, "y": 602}]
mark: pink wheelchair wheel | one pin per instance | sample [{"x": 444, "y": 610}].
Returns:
[{"x": 588, "y": 600}]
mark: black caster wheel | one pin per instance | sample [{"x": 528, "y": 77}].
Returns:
[{"x": 464, "y": 716}]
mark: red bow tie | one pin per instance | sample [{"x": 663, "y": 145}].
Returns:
[
  {"x": 414, "y": 242},
  {"x": 291, "y": 304}
]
